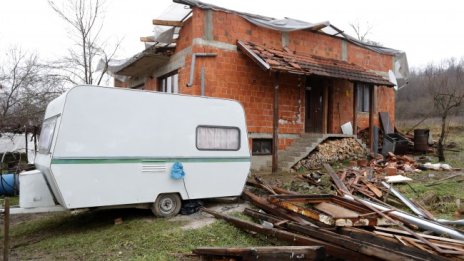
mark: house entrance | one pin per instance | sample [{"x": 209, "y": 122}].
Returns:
[{"x": 314, "y": 105}]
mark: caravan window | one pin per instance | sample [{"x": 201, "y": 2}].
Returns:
[
  {"x": 46, "y": 135},
  {"x": 218, "y": 138}
]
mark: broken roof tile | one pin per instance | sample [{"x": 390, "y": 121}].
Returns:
[{"x": 286, "y": 61}]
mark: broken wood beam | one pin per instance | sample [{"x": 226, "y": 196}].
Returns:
[
  {"x": 419, "y": 237},
  {"x": 263, "y": 204},
  {"x": 265, "y": 253},
  {"x": 168, "y": 23},
  {"x": 338, "y": 183},
  {"x": 147, "y": 39},
  {"x": 392, "y": 251},
  {"x": 266, "y": 187},
  {"x": 296, "y": 239}
]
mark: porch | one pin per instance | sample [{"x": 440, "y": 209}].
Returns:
[{"x": 320, "y": 76}]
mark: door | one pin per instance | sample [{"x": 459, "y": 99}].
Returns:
[{"x": 314, "y": 105}]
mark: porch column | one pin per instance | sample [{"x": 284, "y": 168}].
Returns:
[
  {"x": 275, "y": 124},
  {"x": 325, "y": 108},
  {"x": 372, "y": 106},
  {"x": 355, "y": 109}
]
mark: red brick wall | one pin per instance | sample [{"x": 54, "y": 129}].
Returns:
[
  {"x": 342, "y": 106},
  {"x": 233, "y": 75}
]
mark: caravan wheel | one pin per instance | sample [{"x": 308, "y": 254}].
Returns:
[{"x": 166, "y": 205}]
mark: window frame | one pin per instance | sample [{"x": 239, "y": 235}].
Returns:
[
  {"x": 218, "y": 127},
  {"x": 261, "y": 140},
  {"x": 363, "y": 90},
  {"x": 47, "y": 149},
  {"x": 163, "y": 82}
]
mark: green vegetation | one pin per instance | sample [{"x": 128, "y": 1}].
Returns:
[
  {"x": 94, "y": 236},
  {"x": 440, "y": 199}
]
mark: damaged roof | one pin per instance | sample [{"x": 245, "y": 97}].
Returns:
[
  {"x": 290, "y": 24},
  {"x": 286, "y": 61},
  {"x": 143, "y": 62}
]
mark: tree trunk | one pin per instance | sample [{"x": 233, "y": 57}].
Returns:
[{"x": 440, "y": 147}]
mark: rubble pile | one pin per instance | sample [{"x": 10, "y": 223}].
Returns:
[
  {"x": 355, "y": 223},
  {"x": 331, "y": 150}
]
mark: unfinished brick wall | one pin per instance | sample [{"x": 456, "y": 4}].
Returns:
[
  {"x": 233, "y": 75},
  {"x": 342, "y": 106}
]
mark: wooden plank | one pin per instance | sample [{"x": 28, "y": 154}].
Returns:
[
  {"x": 296, "y": 239},
  {"x": 372, "y": 238},
  {"x": 168, "y": 23},
  {"x": 373, "y": 188},
  {"x": 385, "y": 121},
  {"x": 335, "y": 210},
  {"x": 270, "y": 208},
  {"x": 402, "y": 232},
  {"x": 275, "y": 124},
  {"x": 325, "y": 108},
  {"x": 265, "y": 253},
  {"x": 147, "y": 39},
  {"x": 372, "y": 101},
  {"x": 338, "y": 183},
  {"x": 355, "y": 109}
]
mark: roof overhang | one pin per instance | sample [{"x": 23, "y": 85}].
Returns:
[
  {"x": 143, "y": 65},
  {"x": 286, "y": 61}
]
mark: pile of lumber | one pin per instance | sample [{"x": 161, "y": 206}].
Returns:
[
  {"x": 331, "y": 150},
  {"x": 343, "y": 226}
]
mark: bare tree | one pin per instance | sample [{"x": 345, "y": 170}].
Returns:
[
  {"x": 85, "y": 18},
  {"x": 445, "y": 82},
  {"x": 362, "y": 32},
  {"x": 26, "y": 88}
]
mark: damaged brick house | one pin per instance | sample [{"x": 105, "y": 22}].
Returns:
[{"x": 295, "y": 80}]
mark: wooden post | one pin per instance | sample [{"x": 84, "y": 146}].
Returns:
[
  {"x": 275, "y": 123},
  {"x": 372, "y": 101},
  {"x": 6, "y": 228},
  {"x": 355, "y": 109},
  {"x": 325, "y": 108}
]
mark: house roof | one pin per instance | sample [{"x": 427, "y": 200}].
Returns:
[
  {"x": 284, "y": 60},
  {"x": 289, "y": 24}
]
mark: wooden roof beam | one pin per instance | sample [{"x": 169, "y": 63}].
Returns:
[
  {"x": 147, "y": 39},
  {"x": 168, "y": 23}
]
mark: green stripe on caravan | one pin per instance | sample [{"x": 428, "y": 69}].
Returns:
[{"x": 146, "y": 160}]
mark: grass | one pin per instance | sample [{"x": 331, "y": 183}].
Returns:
[
  {"x": 444, "y": 194},
  {"x": 93, "y": 236}
]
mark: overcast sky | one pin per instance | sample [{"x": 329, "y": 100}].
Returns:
[{"x": 429, "y": 31}]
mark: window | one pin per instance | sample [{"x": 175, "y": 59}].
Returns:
[
  {"x": 169, "y": 83},
  {"x": 261, "y": 147},
  {"x": 363, "y": 96},
  {"x": 218, "y": 138},
  {"x": 46, "y": 135}
]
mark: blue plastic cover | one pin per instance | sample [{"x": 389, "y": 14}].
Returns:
[{"x": 177, "y": 171}]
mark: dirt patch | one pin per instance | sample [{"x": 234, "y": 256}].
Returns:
[{"x": 200, "y": 219}]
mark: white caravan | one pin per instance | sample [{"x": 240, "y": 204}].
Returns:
[{"x": 113, "y": 147}]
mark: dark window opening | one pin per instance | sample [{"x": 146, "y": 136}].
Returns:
[
  {"x": 169, "y": 83},
  {"x": 261, "y": 147},
  {"x": 363, "y": 97}
]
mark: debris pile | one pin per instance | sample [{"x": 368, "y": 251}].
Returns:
[
  {"x": 343, "y": 226},
  {"x": 331, "y": 150}
]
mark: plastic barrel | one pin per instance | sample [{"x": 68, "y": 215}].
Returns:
[
  {"x": 421, "y": 138},
  {"x": 8, "y": 184}
]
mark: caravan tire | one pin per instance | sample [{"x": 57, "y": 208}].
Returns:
[{"x": 166, "y": 205}]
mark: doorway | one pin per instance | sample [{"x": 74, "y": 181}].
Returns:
[{"x": 314, "y": 105}]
